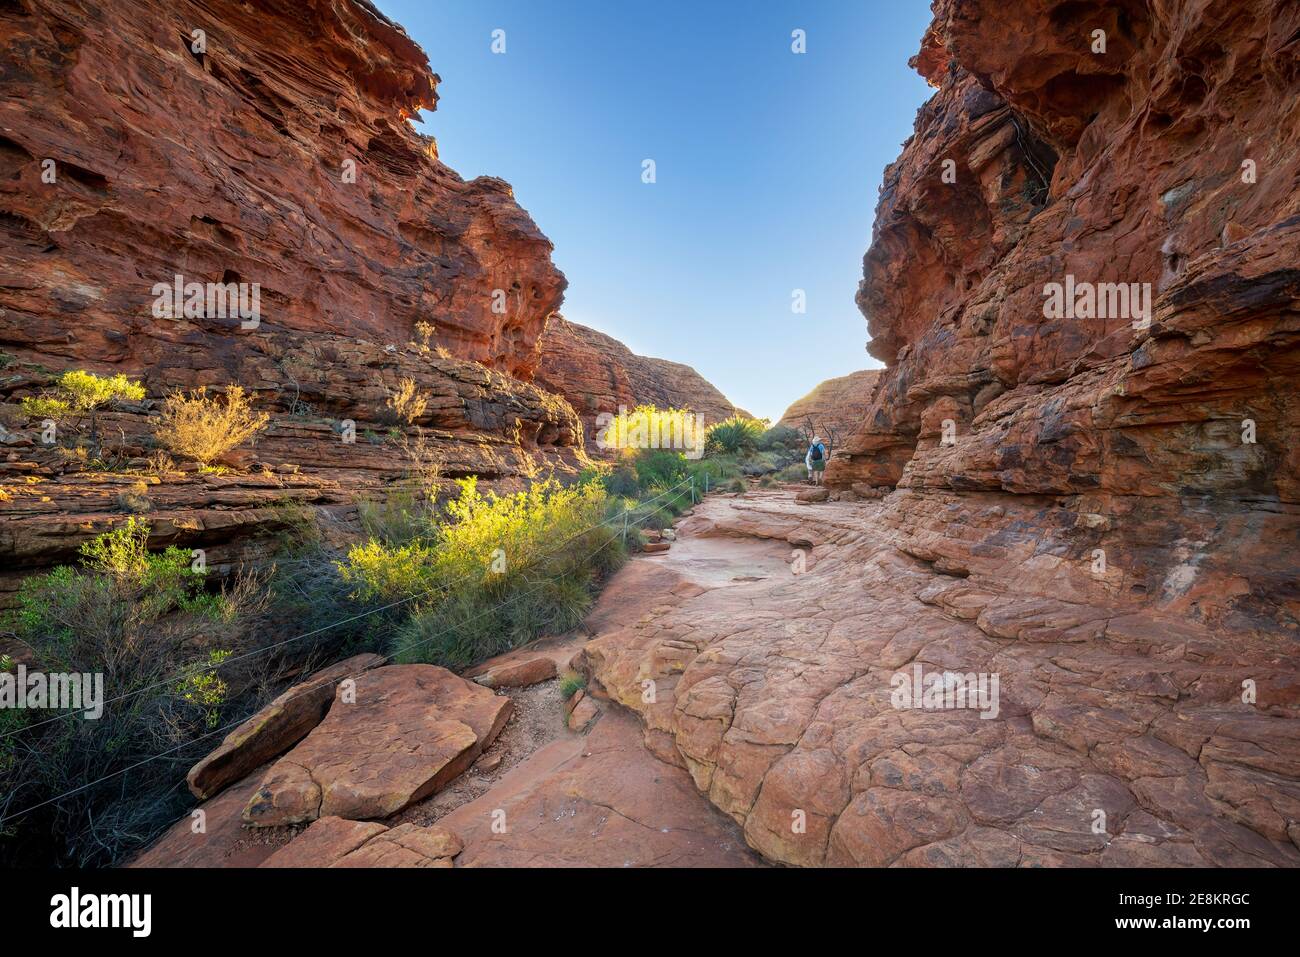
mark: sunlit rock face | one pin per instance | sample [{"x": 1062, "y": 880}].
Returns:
[
  {"x": 834, "y": 406},
  {"x": 1169, "y": 161},
  {"x": 597, "y": 374},
  {"x": 263, "y": 148},
  {"x": 279, "y": 154}
]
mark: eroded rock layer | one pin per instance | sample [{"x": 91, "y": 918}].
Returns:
[
  {"x": 835, "y": 406},
  {"x": 257, "y": 150},
  {"x": 1169, "y": 161},
  {"x": 598, "y": 374},
  {"x": 280, "y": 154}
]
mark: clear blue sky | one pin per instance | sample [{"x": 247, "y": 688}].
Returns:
[{"x": 768, "y": 163}]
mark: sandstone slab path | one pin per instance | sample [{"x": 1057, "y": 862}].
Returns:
[{"x": 1117, "y": 735}]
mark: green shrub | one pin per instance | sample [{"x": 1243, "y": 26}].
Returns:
[
  {"x": 570, "y": 683},
  {"x": 647, "y": 427},
  {"x": 494, "y": 572},
  {"x": 733, "y": 435},
  {"x": 782, "y": 438},
  {"x": 146, "y": 623},
  {"x": 659, "y": 467},
  {"x": 621, "y": 481},
  {"x": 83, "y": 393}
]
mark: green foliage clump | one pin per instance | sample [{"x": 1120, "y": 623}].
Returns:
[
  {"x": 83, "y": 393},
  {"x": 570, "y": 683},
  {"x": 161, "y": 640},
  {"x": 648, "y": 427},
  {"x": 782, "y": 438},
  {"x": 493, "y": 572},
  {"x": 737, "y": 434}
]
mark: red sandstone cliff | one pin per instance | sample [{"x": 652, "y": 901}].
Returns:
[
  {"x": 282, "y": 156},
  {"x": 597, "y": 373},
  {"x": 836, "y": 406},
  {"x": 1079, "y": 513},
  {"x": 277, "y": 152},
  {"x": 1171, "y": 159}
]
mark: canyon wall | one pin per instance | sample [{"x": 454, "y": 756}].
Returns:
[
  {"x": 1170, "y": 159},
  {"x": 267, "y": 145},
  {"x": 597, "y": 374},
  {"x": 281, "y": 155}
]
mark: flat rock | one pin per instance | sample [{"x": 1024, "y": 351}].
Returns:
[
  {"x": 276, "y": 728},
  {"x": 216, "y": 839},
  {"x": 337, "y": 842},
  {"x": 410, "y": 730},
  {"x": 601, "y": 800},
  {"x": 327, "y": 840}
]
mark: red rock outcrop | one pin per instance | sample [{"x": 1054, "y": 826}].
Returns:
[
  {"x": 401, "y": 733},
  {"x": 836, "y": 406},
  {"x": 1110, "y": 733},
  {"x": 1171, "y": 160},
  {"x": 597, "y": 374},
  {"x": 261, "y": 144},
  {"x": 280, "y": 154}
]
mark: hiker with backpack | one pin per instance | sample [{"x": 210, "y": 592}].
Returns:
[{"x": 816, "y": 461}]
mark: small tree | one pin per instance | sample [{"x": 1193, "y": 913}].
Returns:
[
  {"x": 829, "y": 434},
  {"x": 204, "y": 428},
  {"x": 84, "y": 393}
]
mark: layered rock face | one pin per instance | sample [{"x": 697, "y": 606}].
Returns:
[
  {"x": 598, "y": 374},
  {"x": 1168, "y": 161},
  {"x": 263, "y": 152},
  {"x": 279, "y": 155},
  {"x": 835, "y": 406}
]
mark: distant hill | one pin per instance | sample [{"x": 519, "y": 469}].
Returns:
[{"x": 597, "y": 373}]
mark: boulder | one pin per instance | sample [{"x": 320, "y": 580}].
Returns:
[
  {"x": 275, "y": 729},
  {"x": 818, "y": 494},
  {"x": 584, "y": 712},
  {"x": 518, "y": 673},
  {"x": 652, "y": 548},
  {"x": 408, "y": 731}
]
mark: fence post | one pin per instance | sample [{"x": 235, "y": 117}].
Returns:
[{"x": 692, "y": 489}]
